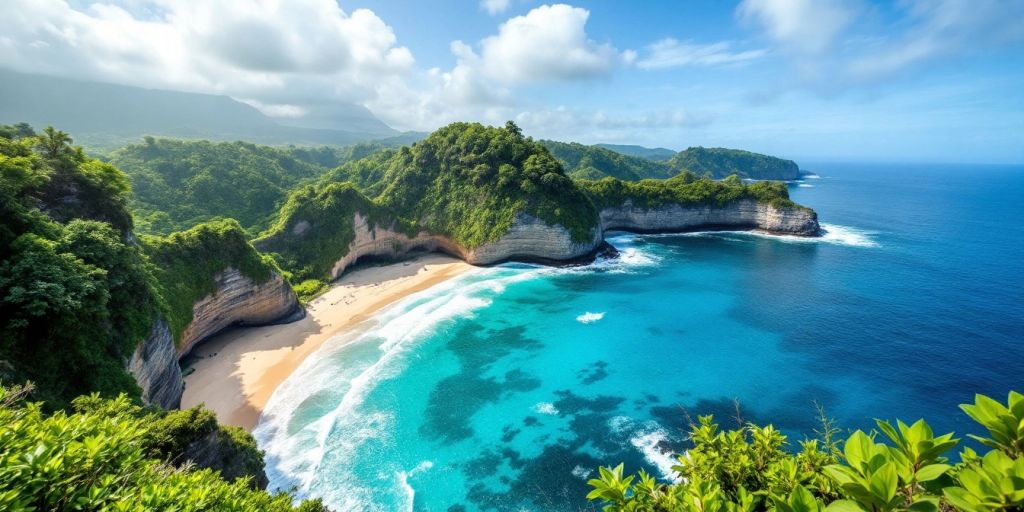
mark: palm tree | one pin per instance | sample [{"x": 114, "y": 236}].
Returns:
[{"x": 54, "y": 143}]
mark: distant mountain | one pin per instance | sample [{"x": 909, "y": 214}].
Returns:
[
  {"x": 106, "y": 116},
  {"x": 656, "y": 154},
  {"x": 595, "y": 162},
  {"x": 721, "y": 162}
]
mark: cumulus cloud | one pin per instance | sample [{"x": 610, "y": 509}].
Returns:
[
  {"x": 803, "y": 26},
  {"x": 670, "y": 53},
  {"x": 494, "y": 7},
  {"x": 282, "y": 58},
  {"x": 549, "y": 43}
]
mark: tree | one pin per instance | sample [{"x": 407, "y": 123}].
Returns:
[{"x": 54, "y": 144}]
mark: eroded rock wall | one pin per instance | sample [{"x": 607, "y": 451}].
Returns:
[
  {"x": 239, "y": 301},
  {"x": 155, "y": 367},
  {"x": 743, "y": 214}
]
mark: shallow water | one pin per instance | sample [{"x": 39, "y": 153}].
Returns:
[{"x": 505, "y": 388}]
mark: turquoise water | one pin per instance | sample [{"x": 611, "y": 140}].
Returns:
[{"x": 505, "y": 388}]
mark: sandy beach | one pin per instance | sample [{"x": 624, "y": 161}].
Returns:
[{"x": 237, "y": 371}]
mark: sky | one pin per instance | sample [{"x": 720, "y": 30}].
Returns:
[{"x": 819, "y": 80}]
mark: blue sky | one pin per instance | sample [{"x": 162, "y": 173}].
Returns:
[{"x": 912, "y": 80}]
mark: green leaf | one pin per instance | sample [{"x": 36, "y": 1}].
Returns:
[
  {"x": 932, "y": 471},
  {"x": 844, "y": 506}
]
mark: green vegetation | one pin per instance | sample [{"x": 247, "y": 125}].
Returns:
[
  {"x": 633, "y": 164},
  {"x": 177, "y": 184},
  {"x": 685, "y": 189},
  {"x": 315, "y": 228},
  {"x": 185, "y": 264},
  {"x": 111, "y": 455},
  {"x": 468, "y": 182},
  {"x": 721, "y": 162},
  {"x": 750, "y": 469},
  {"x": 656, "y": 154},
  {"x": 596, "y": 162},
  {"x": 76, "y": 296}
]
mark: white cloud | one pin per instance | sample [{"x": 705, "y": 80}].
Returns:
[
  {"x": 942, "y": 29},
  {"x": 803, "y": 26},
  {"x": 565, "y": 123},
  {"x": 282, "y": 57},
  {"x": 494, "y": 7},
  {"x": 670, "y": 53},
  {"x": 549, "y": 43}
]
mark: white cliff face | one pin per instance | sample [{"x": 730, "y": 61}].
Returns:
[
  {"x": 238, "y": 301},
  {"x": 155, "y": 367},
  {"x": 528, "y": 239},
  {"x": 743, "y": 214}
]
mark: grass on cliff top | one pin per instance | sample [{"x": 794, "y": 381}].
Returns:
[
  {"x": 187, "y": 261},
  {"x": 684, "y": 189}
]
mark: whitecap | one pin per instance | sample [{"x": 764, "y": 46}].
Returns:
[
  {"x": 581, "y": 472},
  {"x": 589, "y": 318},
  {"x": 546, "y": 408},
  {"x": 805, "y": 185},
  {"x": 811, "y": 177},
  {"x": 649, "y": 442}
]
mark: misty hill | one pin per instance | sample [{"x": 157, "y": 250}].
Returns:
[
  {"x": 106, "y": 116},
  {"x": 656, "y": 154}
]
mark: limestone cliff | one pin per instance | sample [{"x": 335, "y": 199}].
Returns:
[
  {"x": 155, "y": 367},
  {"x": 239, "y": 301},
  {"x": 528, "y": 239},
  {"x": 743, "y": 214}
]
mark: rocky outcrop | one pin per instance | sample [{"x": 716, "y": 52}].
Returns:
[
  {"x": 743, "y": 214},
  {"x": 531, "y": 239},
  {"x": 239, "y": 301},
  {"x": 528, "y": 239},
  {"x": 155, "y": 368}
]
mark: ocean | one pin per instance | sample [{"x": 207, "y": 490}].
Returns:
[{"x": 505, "y": 388}]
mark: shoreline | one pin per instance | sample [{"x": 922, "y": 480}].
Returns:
[{"x": 235, "y": 372}]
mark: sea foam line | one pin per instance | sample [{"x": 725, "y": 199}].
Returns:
[{"x": 378, "y": 353}]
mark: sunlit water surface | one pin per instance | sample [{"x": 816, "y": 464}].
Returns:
[{"x": 505, "y": 388}]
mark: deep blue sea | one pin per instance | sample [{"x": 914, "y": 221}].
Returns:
[{"x": 505, "y": 388}]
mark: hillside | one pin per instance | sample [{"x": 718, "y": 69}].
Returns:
[
  {"x": 656, "y": 154},
  {"x": 177, "y": 184},
  {"x": 635, "y": 162},
  {"x": 722, "y": 162},
  {"x": 107, "y": 116},
  {"x": 595, "y": 162}
]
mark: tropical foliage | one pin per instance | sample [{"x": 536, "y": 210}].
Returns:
[
  {"x": 894, "y": 468},
  {"x": 596, "y": 162},
  {"x": 722, "y": 162},
  {"x": 177, "y": 184},
  {"x": 186, "y": 262},
  {"x": 686, "y": 189},
  {"x": 109, "y": 455},
  {"x": 76, "y": 295}
]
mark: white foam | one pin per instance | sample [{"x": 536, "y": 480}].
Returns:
[
  {"x": 371, "y": 357},
  {"x": 589, "y": 318},
  {"x": 649, "y": 442},
  {"x": 845, "y": 235},
  {"x": 811, "y": 177},
  {"x": 805, "y": 185},
  {"x": 581, "y": 472},
  {"x": 546, "y": 408}
]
